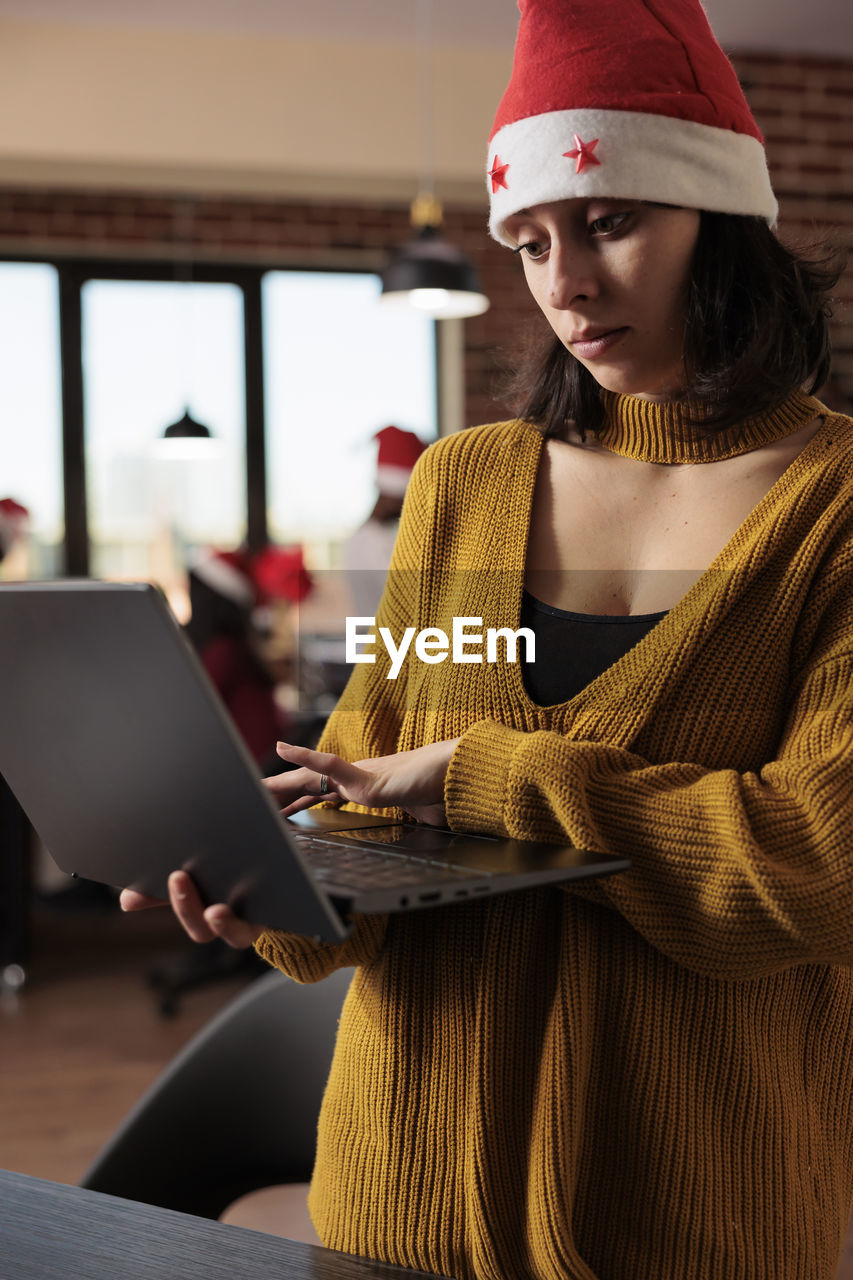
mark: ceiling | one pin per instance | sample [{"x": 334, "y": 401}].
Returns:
[{"x": 799, "y": 26}]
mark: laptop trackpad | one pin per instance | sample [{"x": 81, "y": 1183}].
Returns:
[
  {"x": 406, "y": 837},
  {"x": 320, "y": 820}
]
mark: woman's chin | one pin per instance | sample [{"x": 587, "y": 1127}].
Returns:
[{"x": 624, "y": 383}]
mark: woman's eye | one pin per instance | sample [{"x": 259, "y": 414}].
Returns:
[
  {"x": 608, "y": 224},
  {"x": 531, "y": 249}
]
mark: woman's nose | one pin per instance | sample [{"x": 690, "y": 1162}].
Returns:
[{"x": 571, "y": 277}]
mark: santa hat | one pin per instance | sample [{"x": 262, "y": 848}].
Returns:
[
  {"x": 276, "y": 573},
  {"x": 398, "y": 453},
  {"x": 228, "y": 573},
  {"x": 629, "y": 99},
  {"x": 13, "y": 520},
  {"x": 280, "y": 574}
]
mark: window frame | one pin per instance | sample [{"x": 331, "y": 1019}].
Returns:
[{"x": 73, "y": 273}]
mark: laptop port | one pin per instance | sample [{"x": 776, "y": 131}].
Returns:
[
  {"x": 404, "y": 902},
  {"x": 434, "y": 896}
]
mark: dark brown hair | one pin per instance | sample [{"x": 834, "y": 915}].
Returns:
[{"x": 756, "y": 327}]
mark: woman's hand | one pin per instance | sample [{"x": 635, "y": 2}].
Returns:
[
  {"x": 409, "y": 780},
  {"x": 201, "y": 923}
]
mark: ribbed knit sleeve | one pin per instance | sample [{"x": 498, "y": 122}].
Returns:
[
  {"x": 366, "y": 723},
  {"x": 735, "y": 875},
  {"x": 309, "y": 961}
]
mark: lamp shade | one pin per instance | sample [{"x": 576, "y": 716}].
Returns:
[
  {"x": 187, "y": 440},
  {"x": 432, "y": 276},
  {"x": 186, "y": 428}
]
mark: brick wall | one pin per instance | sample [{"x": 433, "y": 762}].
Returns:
[{"x": 804, "y": 106}]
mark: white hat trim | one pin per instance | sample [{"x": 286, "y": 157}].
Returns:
[
  {"x": 224, "y": 578},
  {"x": 393, "y": 480},
  {"x": 641, "y": 157}
]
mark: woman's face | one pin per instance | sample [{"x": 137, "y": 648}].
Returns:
[{"x": 611, "y": 278}]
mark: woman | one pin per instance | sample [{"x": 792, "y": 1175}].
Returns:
[{"x": 648, "y": 1076}]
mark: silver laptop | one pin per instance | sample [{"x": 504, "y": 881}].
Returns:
[{"x": 129, "y": 767}]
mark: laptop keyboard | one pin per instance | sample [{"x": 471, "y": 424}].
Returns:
[{"x": 359, "y": 867}]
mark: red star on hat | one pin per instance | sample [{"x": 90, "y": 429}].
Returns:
[
  {"x": 583, "y": 154},
  {"x": 498, "y": 172}
]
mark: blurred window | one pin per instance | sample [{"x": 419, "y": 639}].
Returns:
[
  {"x": 31, "y": 415},
  {"x": 338, "y": 367},
  {"x": 153, "y": 351}
]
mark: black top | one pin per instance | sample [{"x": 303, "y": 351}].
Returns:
[{"x": 573, "y": 649}]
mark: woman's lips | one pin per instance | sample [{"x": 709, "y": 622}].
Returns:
[{"x": 590, "y": 348}]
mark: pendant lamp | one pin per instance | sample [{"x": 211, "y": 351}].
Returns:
[
  {"x": 186, "y": 428},
  {"x": 429, "y": 274},
  {"x": 186, "y": 438}
]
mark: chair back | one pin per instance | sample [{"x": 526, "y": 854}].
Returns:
[{"x": 236, "y": 1109}]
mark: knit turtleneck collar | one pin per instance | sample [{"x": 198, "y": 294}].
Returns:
[{"x": 653, "y": 431}]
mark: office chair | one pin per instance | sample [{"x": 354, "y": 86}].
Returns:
[{"x": 236, "y": 1110}]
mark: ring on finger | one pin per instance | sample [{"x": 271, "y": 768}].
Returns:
[{"x": 324, "y": 784}]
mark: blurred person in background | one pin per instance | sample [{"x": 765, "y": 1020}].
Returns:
[
  {"x": 368, "y": 551},
  {"x": 14, "y": 518},
  {"x": 230, "y": 595}
]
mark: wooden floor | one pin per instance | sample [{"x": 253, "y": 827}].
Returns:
[{"x": 85, "y": 1038}]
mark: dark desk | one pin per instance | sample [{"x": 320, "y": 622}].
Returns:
[{"x": 53, "y": 1232}]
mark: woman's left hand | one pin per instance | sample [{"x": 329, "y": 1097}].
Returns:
[{"x": 410, "y": 780}]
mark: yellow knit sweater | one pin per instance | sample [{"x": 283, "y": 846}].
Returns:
[{"x": 650, "y": 1077}]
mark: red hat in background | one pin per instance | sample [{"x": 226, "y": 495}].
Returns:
[
  {"x": 280, "y": 574},
  {"x": 623, "y": 99},
  {"x": 276, "y": 573},
  {"x": 398, "y": 453},
  {"x": 13, "y": 520},
  {"x": 228, "y": 573}
]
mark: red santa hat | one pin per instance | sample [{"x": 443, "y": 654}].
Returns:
[
  {"x": 276, "y": 573},
  {"x": 280, "y": 574},
  {"x": 13, "y": 520},
  {"x": 630, "y": 99},
  {"x": 228, "y": 573},
  {"x": 398, "y": 453}
]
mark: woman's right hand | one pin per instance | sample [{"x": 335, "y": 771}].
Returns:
[
  {"x": 199, "y": 922},
  {"x": 411, "y": 780}
]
